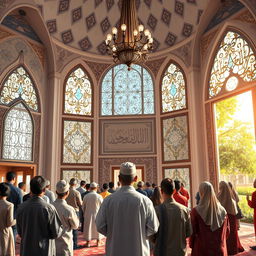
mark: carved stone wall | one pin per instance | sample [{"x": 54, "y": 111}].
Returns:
[{"x": 154, "y": 65}]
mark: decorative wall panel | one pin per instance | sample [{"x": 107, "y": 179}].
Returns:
[
  {"x": 127, "y": 136},
  {"x": 76, "y": 142},
  {"x": 79, "y": 174},
  {"x": 175, "y": 139}
]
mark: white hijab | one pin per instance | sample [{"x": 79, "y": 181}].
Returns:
[{"x": 210, "y": 210}]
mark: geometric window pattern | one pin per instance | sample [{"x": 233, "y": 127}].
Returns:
[
  {"x": 77, "y": 142},
  {"x": 173, "y": 90},
  {"x": 78, "y": 94},
  {"x": 19, "y": 85},
  {"x": 126, "y": 92},
  {"x": 77, "y": 174},
  {"x": 234, "y": 57},
  {"x": 18, "y": 134},
  {"x": 175, "y": 138},
  {"x": 181, "y": 174}
]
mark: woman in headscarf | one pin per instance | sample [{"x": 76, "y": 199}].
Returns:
[
  {"x": 226, "y": 199},
  {"x": 209, "y": 224}
]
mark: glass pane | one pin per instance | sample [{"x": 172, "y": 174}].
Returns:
[
  {"x": 19, "y": 86},
  {"x": 77, "y": 142},
  {"x": 173, "y": 90},
  {"x": 234, "y": 56},
  {"x": 18, "y": 134},
  {"x": 78, "y": 94}
]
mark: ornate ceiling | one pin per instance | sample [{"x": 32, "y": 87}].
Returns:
[{"x": 84, "y": 24}]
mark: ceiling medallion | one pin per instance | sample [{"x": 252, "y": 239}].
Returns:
[{"x": 130, "y": 43}]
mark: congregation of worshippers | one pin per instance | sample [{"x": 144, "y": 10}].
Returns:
[{"x": 131, "y": 218}]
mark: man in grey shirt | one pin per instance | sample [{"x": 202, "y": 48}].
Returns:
[{"x": 127, "y": 218}]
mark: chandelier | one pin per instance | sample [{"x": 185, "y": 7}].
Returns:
[{"x": 130, "y": 43}]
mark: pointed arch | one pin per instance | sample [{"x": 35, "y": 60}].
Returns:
[
  {"x": 234, "y": 64},
  {"x": 173, "y": 89},
  {"x": 17, "y": 142},
  {"x": 19, "y": 86},
  {"x": 78, "y": 92}
]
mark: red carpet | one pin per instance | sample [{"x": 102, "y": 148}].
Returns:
[{"x": 246, "y": 234}]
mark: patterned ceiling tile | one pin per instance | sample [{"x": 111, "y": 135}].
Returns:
[
  {"x": 63, "y": 5},
  {"x": 170, "y": 39},
  {"x": 109, "y": 4},
  {"x": 85, "y": 44},
  {"x": 187, "y": 29},
  {"x": 166, "y": 17},
  {"x": 90, "y": 21},
  {"x": 67, "y": 36},
  {"x": 155, "y": 45},
  {"x": 97, "y": 3},
  {"x": 152, "y": 22},
  {"x": 191, "y": 1},
  {"x": 76, "y": 14},
  {"x": 199, "y": 14},
  {"x": 102, "y": 48},
  {"x": 105, "y": 25},
  {"x": 179, "y": 7},
  {"x": 148, "y": 3},
  {"x": 52, "y": 26}
]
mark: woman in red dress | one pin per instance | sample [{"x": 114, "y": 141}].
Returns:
[
  {"x": 225, "y": 197},
  {"x": 210, "y": 225}
]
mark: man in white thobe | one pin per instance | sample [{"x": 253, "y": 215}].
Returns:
[
  {"x": 90, "y": 207},
  {"x": 69, "y": 220},
  {"x": 127, "y": 218}
]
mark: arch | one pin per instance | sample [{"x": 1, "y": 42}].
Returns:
[
  {"x": 78, "y": 92},
  {"x": 18, "y": 133},
  {"x": 20, "y": 85},
  {"x": 173, "y": 88},
  {"x": 126, "y": 92}
]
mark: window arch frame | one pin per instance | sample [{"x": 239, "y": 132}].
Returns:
[
  {"x": 8, "y": 109},
  {"x": 3, "y": 81},
  {"x": 129, "y": 115},
  {"x": 160, "y": 87},
  {"x": 64, "y": 91}
]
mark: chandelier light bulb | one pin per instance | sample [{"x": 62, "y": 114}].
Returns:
[
  {"x": 140, "y": 28},
  {"x": 150, "y": 40},
  {"x": 114, "y": 49},
  {"x": 114, "y": 30},
  {"x": 106, "y": 41},
  {"x": 145, "y": 47},
  {"x": 123, "y": 27},
  {"x": 146, "y": 32},
  {"x": 135, "y": 32},
  {"x": 109, "y": 37}
]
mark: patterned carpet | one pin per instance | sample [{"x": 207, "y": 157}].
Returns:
[{"x": 246, "y": 234}]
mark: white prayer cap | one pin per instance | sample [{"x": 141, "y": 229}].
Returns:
[
  {"x": 62, "y": 186},
  {"x": 47, "y": 183},
  {"x": 93, "y": 185},
  {"x": 128, "y": 168}
]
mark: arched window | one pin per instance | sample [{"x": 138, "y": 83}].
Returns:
[
  {"x": 126, "y": 92},
  {"x": 234, "y": 63},
  {"x": 19, "y": 86},
  {"x": 78, "y": 93},
  {"x": 173, "y": 89},
  {"x": 18, "y": 134}
]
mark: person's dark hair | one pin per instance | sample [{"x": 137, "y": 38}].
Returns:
[
  {"x": 37, "y": 185},
  {"x": 21, "y": 185},
  {"x": 10, "y": 176},
  {"x": 62, "y": 194},
  {"x": 82, "y": 183},
  {"x": 87, "y": 186},
  {"x": 148, "y": 184},
  {"x": 167, "y": 186},
  {"x": 111, "y": 184},
  {"x": 4, "y": 189},
  {"x": 182, "y": 184},
  {"x": 105, "y": 186},
  {"x": 126, "y": 179},
  {"x": 140, "y": 184},
  {"x": 73, "y": 182},
  {"x": 230, "y": 184},
  {"x": 153, "y": 185},
  {"x": 156, "y": 198},
  {"x": 177, "y": 185}
]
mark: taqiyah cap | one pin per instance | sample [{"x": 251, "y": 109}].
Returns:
[
  {"x": 93, "y": 185},
  {"x": 47, "y": 183},
  {"x": 128, "y": 168},
  {"x": 62, "y": 186}
]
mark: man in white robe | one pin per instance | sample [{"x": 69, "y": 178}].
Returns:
[
  {"x": 127, "y": 218},
  {"x": 90, "y": 207}
]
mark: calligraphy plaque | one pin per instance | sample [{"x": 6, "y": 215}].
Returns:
[{"x": 127, "y": 136}]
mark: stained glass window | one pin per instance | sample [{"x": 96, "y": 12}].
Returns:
[
  {"x": 77, "y": 142},
  {"x": 173, "y": 89},
  {"x": 234, "y": 56},
  {"x": 126, "y": 92},
  {"x": 18, "y": 134},
  {"x": 19, "y": 85},
  {"x": 78, "y": 94}
]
